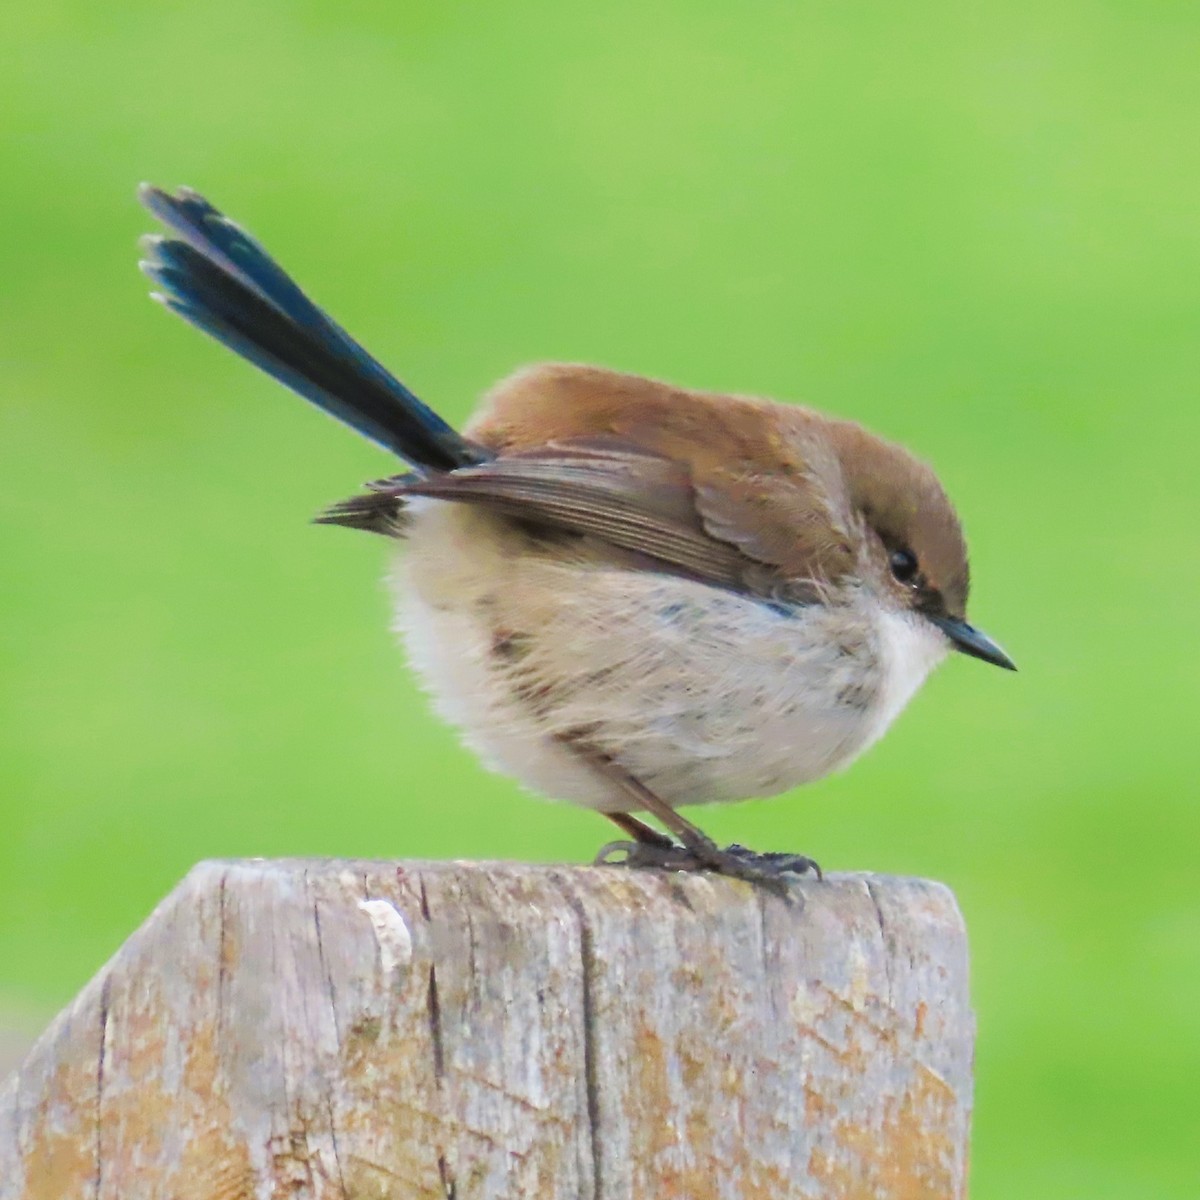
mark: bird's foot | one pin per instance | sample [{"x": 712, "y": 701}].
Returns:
[
  {"x": 664, "y": 855},
  {"x": 771, "y": 870},
  {"x": 770, "y": 864}
]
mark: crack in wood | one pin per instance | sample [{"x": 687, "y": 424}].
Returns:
[
  {"x": 587, "y": 957},
  {"x": 330, "y": 987},
  {"x": 448, "y": 1184},
  {"x": 222, "y": 964},
  {"x": 433, "y": 1004},
  {"x": 434, "y": 1010},
  {"x": 104, "y": 1006},
  {"x": 883, "y": 937},
  {"x": 331, "y": 991}
]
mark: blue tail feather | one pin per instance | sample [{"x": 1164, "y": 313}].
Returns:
[{"x": 220, "y": 279}]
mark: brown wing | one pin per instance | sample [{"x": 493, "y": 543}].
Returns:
[
  {"x": 738, "y": 492},
  {"x": 379, "y": 510},
  {"x": 762, "y": 477},
  {"x": 637, "y": 501}
]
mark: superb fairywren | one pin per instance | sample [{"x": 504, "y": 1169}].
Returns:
[{"x": 624, "y": 594}]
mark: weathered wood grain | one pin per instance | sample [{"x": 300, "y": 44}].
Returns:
[{"x": 504, "y": 1031}]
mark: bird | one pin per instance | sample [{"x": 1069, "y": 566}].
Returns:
[{"x": 624, "y": 594}]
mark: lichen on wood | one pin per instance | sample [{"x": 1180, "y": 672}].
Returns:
[{"x": 328, "y": 1030}]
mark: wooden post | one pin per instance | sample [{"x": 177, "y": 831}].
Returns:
[{"x": 492, "y": 1031}]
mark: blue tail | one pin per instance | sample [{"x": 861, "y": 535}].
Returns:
[{"x": 218, "y": 278}]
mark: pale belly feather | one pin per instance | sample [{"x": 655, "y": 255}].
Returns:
[{"x": 538, "y": 652}]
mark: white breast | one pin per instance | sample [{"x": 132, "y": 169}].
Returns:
[
  {"x": 909, "y": 647},
  {"x": 701, "y": 694}
]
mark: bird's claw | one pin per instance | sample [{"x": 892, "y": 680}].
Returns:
[
  {"x": 664, "y": 856},
  {"x": 771, "y": 870}
]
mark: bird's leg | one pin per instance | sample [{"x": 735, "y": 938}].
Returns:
[
  {"x": 648, "y": 847},
  {"x": 639, "y": 831},
  {"x": 695, "y": 850}
]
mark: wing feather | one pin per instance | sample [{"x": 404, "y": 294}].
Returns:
[{"x": 634, "y": 500}]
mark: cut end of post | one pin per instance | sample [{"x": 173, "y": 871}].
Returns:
[{"x": 485, "y": 1029}]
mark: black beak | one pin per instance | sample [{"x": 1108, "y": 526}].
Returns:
[{"x": 970, "y": 641}]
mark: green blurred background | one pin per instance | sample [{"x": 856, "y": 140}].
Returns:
[{"x": 972, "y": 227}]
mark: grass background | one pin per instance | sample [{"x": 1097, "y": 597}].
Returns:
[{"x": 972, "y": 227}]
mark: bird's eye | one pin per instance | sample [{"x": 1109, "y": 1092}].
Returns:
[{"x": 904, "y": 565}]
